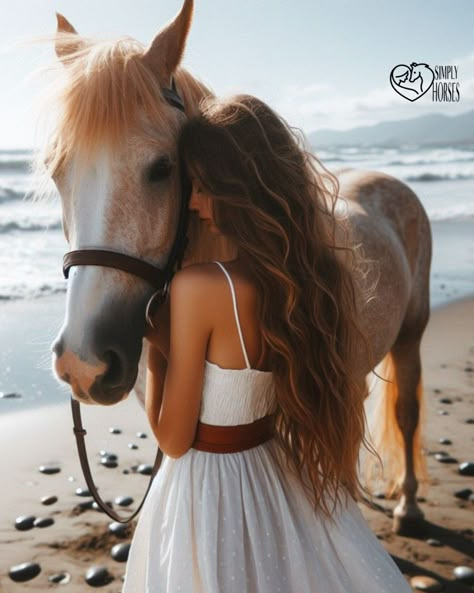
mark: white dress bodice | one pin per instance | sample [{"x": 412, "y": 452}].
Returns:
[{"x": 236, "y": 396}]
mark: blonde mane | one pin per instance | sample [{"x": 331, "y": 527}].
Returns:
[{"x": 101, "y": 92}]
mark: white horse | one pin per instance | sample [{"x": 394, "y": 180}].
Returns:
[{"x": 113, "y": 159}]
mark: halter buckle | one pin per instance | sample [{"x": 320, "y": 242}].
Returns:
[{"x": 156, "y": 300}]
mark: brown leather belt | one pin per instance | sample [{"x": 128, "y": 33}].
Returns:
[
  {"x": 232, "y": 439},
  {"x": 208, "y": 437}
]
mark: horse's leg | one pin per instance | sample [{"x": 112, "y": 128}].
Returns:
[
  {"x": 405, "y": 353},
  {"x": 396, "y": 430}
]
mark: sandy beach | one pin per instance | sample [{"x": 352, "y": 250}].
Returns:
[{"x": 80, "y": 538}]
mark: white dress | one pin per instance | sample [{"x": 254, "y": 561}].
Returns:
[{"x": 240, "y": 523}]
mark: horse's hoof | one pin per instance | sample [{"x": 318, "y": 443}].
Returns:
[{"x": 409, "y": 526}]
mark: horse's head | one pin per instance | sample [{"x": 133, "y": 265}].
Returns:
[
  {"x": 113, "y": 158},
  {"x": 416, "y": 71}
]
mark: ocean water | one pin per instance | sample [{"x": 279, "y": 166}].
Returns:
[{"x": 32, "y": 243}]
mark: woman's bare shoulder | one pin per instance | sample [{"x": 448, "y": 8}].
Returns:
[
  {"x": 199, "y": 272},
  {"x": 209, "y": 276},
  {"x": 197, "y": 279}
]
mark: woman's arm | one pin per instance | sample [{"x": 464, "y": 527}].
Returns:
[
  {"x": 155, "y": 379},
  {"x": 176, "y": 363},
  {"x": 157, "y": 364}
]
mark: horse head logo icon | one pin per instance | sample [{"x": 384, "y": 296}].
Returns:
[{"x": 413, "y": 81}]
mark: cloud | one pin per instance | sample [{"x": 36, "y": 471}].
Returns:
[{"x": 317, "y": 105}]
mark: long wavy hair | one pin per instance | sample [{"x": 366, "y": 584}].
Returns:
[{"x": 276, "y": 202}]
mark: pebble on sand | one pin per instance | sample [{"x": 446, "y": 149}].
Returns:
[
  {"x": 44, "y": 522},
  {"x": 115, "y": 430},
  {"x": 119, "y": 529},
  {"x": 435, "y": 543},
  {"x": 61, "y": 578},
  {"x": 145, "y": 469},
  {"x": 463, "y": 494},
  {"x": 444, "y": 458},
  {"x": 98, "y": 576},
  {"x": 112, "y": 456},
  {"x": 85, "y": 505},
  {"x": 108, "y": 462},
  {"x": 124, "y": 501},
  {"x": 24, "y": 572},
  {"x": 47, "y": 500},
  {"x": 120, "y": 552},
  {"x": 425, "y": 583},
  {"x": 466, "y": 468},
  {"x": 49, "y": 469},
  {"x": 464, "y": 574},
  {"x": 24, "y": 523},
  {"x": 96, "y": 507}
]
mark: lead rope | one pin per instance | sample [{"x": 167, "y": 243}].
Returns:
[{"x": 80, "y": 433}]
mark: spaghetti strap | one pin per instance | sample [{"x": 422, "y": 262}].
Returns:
[{"x": 236, "y": 312}]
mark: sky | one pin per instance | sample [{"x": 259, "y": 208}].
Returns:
[{"x": 320, "y": 63}]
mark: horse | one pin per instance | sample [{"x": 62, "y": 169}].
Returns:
[{"x": 113, "y": 158}]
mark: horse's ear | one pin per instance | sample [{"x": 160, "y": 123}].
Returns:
[
  {"x": 64, "y": 45},
  {"x": 166, "y": 50}
]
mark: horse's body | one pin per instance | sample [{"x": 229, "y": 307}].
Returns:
[{"x": 99, "y": 349}]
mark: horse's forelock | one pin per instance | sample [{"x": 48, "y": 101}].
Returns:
[
  {"x": 104, "y": 93},
  {"x": 99, "y": 94},
  {"x": 105, "y": 90}
]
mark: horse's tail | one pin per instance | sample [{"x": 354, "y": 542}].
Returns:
[{"x": 387, "y": 437}]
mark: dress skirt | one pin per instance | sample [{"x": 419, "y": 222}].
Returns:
[{"x": 241, "y": 523}]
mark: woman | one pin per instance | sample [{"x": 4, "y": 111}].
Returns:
[{"x": 253, "y": 391}]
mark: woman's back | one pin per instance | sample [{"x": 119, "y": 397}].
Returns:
[
  {"x": 224, "y": 348},
  {"x": 234, "y": 392},
  {"x": 239, "y": 521}
]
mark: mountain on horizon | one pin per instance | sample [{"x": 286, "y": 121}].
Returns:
[{"x": 431, "y": 129}]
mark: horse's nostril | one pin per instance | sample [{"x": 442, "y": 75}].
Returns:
[{"x": 114, "y": 375}]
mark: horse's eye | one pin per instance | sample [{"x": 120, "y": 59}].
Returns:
[{"x": 159, "y": 170}]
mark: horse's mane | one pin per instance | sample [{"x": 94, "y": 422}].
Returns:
[
  {"x": 102, "y": 90},
  {"x": 99, "y": 93}
]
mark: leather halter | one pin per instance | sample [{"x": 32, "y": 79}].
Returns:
[{"x": 159, "y": 278}]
